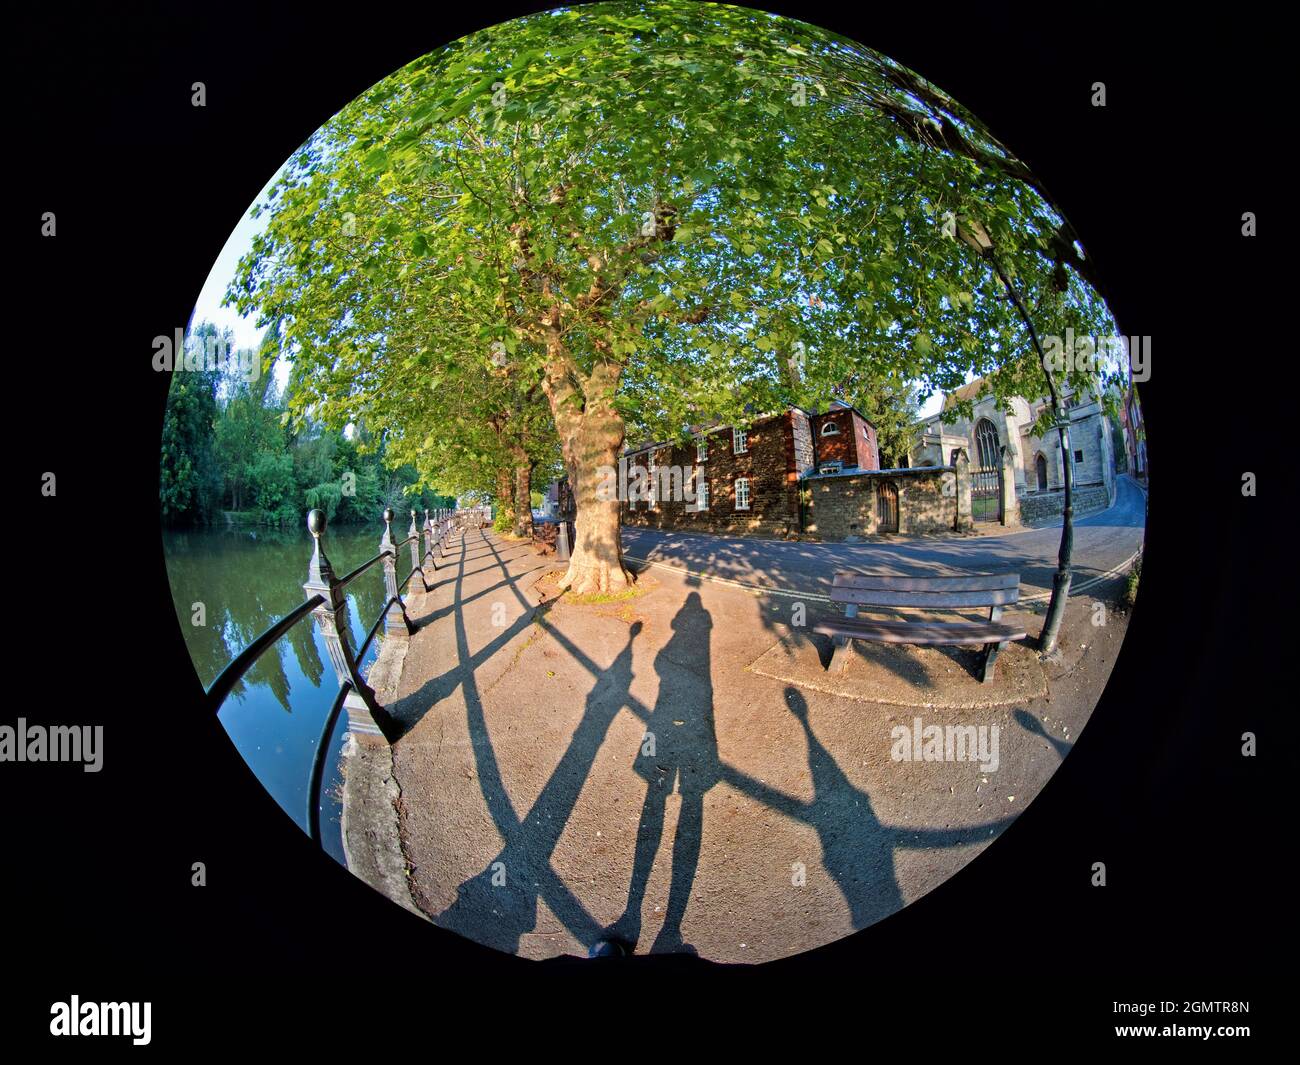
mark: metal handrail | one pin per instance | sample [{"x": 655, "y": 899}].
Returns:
[
  {"x": 383, "y": 613},
  {"x": 242, "y": 662},
  {"x": 343, "y": 582},
  {"x": 216, "y": 695},
  {"x": 318, "y": 763}
]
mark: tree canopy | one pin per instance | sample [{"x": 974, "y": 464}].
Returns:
[{"x": 650, "y": 215}]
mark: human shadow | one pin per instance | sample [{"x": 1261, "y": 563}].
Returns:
[
  {"x": 858, "y": 849},
  {"x": 679, "y": 747},
  {"x": 1030, "y": 723}
]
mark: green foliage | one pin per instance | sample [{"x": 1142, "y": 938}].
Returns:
[
  {"x": 189, "y": 480},
  {"x": 502, "y": 523},
  {"x": 224, "y": 447},
  {"x": 678, "y": 211},
  {"x": 1131, "y": 583},
  {"x": 325, "y": 496}
]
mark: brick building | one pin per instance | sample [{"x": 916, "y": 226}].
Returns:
[{"x": 747, "y": 479}]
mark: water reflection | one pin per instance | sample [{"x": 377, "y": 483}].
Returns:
[{"x": 243, "y": 580}]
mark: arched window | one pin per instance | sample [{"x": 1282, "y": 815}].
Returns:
[
  {"x": 1040, "y": 467},
  {"x": 830, "y": 429},
  {"x": 986, "y": 444}
]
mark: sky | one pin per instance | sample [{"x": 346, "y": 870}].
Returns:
[
  {"x": 248, "y": 335},
  {"x": 208, "y": 306}
]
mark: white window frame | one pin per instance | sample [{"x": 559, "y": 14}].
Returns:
[
  {"x": 739, "y": 482},
  {"x": 701, "y": 448},
  {"x": 652, "y": 488},
  {"x": 837, "y": 466},
  {"x": 739, "y": 441},
  {"x": 830, "y": 429},
  {"x": 701, "y": 492}
]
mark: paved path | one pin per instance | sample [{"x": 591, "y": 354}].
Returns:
[
  {"x": 767, "y": 819},
  {"x": 1103, "y": 542}
]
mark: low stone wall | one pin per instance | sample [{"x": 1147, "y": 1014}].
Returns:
[
  {"x": 839, "y": 506},
  {"x": 1042, "y": 506}
]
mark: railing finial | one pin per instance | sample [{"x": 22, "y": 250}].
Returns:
[{"x": 319, "y": 570}]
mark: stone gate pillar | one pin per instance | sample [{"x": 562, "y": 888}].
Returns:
[
  {"x": 961, "y": 464},
  {"x": 1010, "y": 501}
]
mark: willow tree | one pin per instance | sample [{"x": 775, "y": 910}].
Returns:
[{"x": 664, "y": 212}]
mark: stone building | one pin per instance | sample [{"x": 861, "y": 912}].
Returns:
[
  {"x": 748, "y": 479},
  {"x": 1135, "y": 436},
  {"x": 1016, "y": 475}
]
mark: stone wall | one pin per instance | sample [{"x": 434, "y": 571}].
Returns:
[
  {"x": 1041, "y": 506},
  {"x": 844, "y": 505}
]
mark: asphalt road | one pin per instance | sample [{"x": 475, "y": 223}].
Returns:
[{"x": 1103, "y": 542}]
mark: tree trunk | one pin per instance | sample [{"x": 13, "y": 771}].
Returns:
[
  {"x": 1065, "y": 554},
  {"x": 596, "y": 563},
  {"x": 591, "y": 435},
  {"x": 506, "y": 494},
  {"x": 524, "y": 499}
]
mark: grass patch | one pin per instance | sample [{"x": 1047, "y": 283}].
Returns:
[
  {"x": 1131, "y": 584},
  {"x": 600, "y": 598}
]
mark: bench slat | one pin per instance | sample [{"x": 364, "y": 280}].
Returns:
[
  {"x": 930, "y": 633},
  {"x": 886, "y": 582},
  {"x": 935, "y": 600}
]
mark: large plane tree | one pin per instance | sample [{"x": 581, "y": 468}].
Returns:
[{"x": 672, "y": 213}]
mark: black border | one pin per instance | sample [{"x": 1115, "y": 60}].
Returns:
[{"x": 147, "y": 188}]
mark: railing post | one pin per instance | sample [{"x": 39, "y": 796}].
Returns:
[
  {"x": 413, "y": 534},
  {"x": 396, "y": 625},
  {"x": 365, "y": 716}
]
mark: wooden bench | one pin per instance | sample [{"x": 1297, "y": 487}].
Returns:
[{"x": 855, "y": 590}]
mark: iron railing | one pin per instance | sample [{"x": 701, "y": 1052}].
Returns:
[{"x": 327, "y": 603}]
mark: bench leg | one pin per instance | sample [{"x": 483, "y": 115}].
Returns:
[
  {"x": 843, "y": 651},
  {"x": 990, "y": 657},
  {"x": 843, "y": 645}
]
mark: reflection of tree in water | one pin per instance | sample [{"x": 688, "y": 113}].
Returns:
[{"x": 247, "y": 579}]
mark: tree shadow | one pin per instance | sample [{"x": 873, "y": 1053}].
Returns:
[{"x": 499, "y": 905}]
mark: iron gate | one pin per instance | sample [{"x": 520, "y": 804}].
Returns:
[{"x": 986, "y": 478}]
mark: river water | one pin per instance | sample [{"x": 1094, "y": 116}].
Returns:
[{"x": 247, "y": 579}]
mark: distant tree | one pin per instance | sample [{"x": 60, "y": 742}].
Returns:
[{"x": 189, "y": 479}]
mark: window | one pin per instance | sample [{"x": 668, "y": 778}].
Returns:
[
  {"x": 1078, "y": 456},
  {"x": 651, "y": 493},
  {"x": 701, "y": 449},
  {"x": 830, "y": 429},
  {"x": 701, "y": 493},
  {"x": 742, "y": 493},
  {"x": 830, "y": 467},
  {"x": 739, "y": 441}
]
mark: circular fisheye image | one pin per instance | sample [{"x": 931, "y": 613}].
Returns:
[{"x": 653, "y": 478}]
